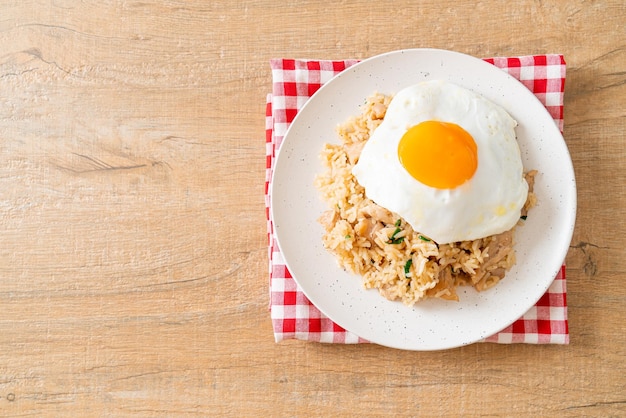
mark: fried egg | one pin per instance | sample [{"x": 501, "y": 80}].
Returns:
[{"x": 447, "y": 161}]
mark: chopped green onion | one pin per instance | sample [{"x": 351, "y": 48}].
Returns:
[
  {"x": 423, "y": 238},
  {"x": 392, "y": 238},
  {"x": 348, "y": 236},
  {"x": 523, "y": 218},
  {"x": 407, "y": 267}
]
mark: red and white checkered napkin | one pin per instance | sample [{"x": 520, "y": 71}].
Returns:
[{"x": 293, "y": 315}]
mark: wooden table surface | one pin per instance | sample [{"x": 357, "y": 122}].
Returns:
[{"x": 133, "y": 257}]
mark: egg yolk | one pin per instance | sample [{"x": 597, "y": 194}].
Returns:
[{"x": 438, "y": 154}]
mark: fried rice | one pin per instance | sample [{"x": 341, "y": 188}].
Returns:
[{"x": 381, "y": 247}]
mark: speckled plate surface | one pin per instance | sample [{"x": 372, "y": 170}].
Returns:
[{"x": 542, "y": 242}]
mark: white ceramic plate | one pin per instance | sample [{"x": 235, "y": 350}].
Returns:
[{"x": 542, "y": 242}]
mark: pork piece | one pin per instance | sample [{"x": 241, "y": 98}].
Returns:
[
  {"x": 500, "y": 246},
  {"x": 379, "y": 110},
  {"x": 328, "y": 219},
  {"x": 353, "y": 151},
  {"x": 445, "y": 287},
  {"x": 379, "y": 213},
  {"x": 373, "y": 219},
  {"x": 368, "y": 227}
]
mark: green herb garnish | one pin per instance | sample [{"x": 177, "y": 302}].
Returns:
[
  {"x": 523, "y": 218},
  {"x": 396, "y": 240},
  {"x": 423, "y": 238},
  {"x": 407, "y": 267},
  {"x": 392, "y": 238}
]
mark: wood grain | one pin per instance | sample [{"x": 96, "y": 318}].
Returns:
[{"x": 133, "y": 258}]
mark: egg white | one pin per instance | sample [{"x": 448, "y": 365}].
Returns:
[{"x": 487, "y": 204}]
